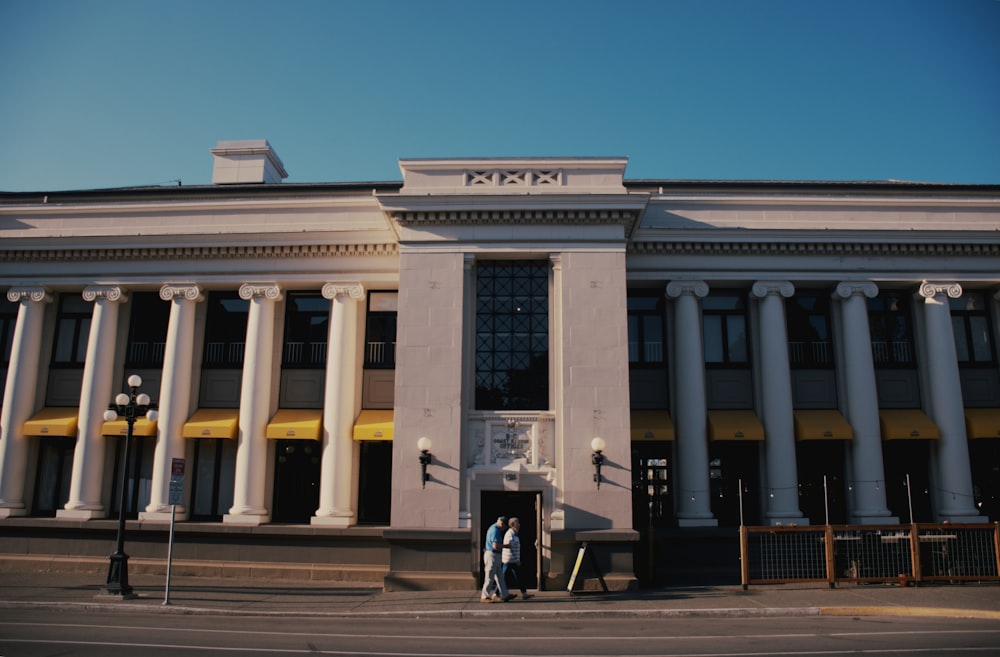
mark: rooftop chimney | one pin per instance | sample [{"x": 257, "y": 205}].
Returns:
[{"x": 246, "y": 161}]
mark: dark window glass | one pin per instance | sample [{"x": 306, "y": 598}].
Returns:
[
  {"x": 645, "y": 330},
  {"x": 808, "y": 321},
  {"x": 307, "y": 323},
  {"x": 380, "y": 339},
  {"x": 725, "y": 329},
  {"x": 72, "y": 331},
  {"x": 148, "y": 323},
  {"x": 8, "y": 320},
  {"x": 226, "y": 330},
  {"x": 512, "y": 339},
  {"x": 890, "y": 322},
  {"x": 970, "y": 320}
]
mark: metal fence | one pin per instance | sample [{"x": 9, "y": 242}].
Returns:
[{"x": 870, "y": 553}]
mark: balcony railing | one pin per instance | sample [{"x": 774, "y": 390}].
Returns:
[{"x": 896, "y": 351}]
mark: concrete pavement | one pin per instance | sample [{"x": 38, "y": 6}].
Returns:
[{"x": 70, "y": 591}]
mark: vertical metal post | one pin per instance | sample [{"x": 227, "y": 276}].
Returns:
[
  {"x": 826, "y": 503},
  {"x": 909, "y": 496},
  {"x": 170, "y": 553}
]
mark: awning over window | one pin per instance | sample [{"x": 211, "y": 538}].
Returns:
[
  {"x": 907, "y": 424},
  {"x": 119, "y": 427},
  {"x": 213, "y": 423},
  {"x": 374, "y": 425},
  {"x": 734, "y": 425},
  {"x": 652, "y": 425},
  {"x": 821, "y": 425},
  {"x": 53, "y": 421},
  {"x": 982, "y": 422},
  {"x": 296, "y": 423}
]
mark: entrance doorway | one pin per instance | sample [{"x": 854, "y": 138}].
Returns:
[
  {"x": 296, "y": 481},
  {"x": 527, "y": 506}
]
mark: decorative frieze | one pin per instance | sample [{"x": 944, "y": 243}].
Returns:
[
  {"x": 861, "y": 249},
  {"x": 516, "y": 217}
]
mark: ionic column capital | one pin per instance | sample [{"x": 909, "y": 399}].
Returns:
[
  {"x": 848, "y": 289},
  {"x": 106, "y": 292},
  {"x": 676, "y": 289},
  {"x": 35, "y": 293},
  {"x": 930, "y": 289},
  {"x": 763, "y": 289},
  {"x": 189, "y": 291},
  {"x": 270, "y": 291},
  {"x": 352, "y": 289}
]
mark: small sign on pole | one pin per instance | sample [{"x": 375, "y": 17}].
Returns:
[{"x": 176, "y": 497}]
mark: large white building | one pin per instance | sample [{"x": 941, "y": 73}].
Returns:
[{"x": 755, "y": 352}]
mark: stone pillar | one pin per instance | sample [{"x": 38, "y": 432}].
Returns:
[
  {"x": 255, "y": 407},
  {"x": 95, "y": 394},
  {"x": 953, "y": 497},
  {"x": 868, "y": 504},
  {"x": 694, "y": 506},
  {"x": 175, "y": 396},
  {"x": 19, "y": 395},
  {"x": 776, "y": 403},
  {"x": 339, "y": 406}
]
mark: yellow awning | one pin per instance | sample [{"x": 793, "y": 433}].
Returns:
[
  {"x": 119, "y": 427},
  {"x": 374, "y": 425},
  {"x": 821, "y": 425},
  {"x": 734, "y": 425},
  {"x": 53, "y": 421},
  {"x": 213, "y": 423},
  {"x": 982, "y": 422},
  {"x": 296, "y": 423},
  {"x": 906, "y": 424},
  {"x": 652, "y": 425}
]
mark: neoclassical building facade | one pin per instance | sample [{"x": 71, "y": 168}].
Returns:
[{"x": 353, "y": 380}]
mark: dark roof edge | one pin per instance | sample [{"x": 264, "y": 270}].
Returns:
[{"x": 821, "y": 186}]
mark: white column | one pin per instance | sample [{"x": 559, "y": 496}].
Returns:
[
  {"x": 95, "y": 395},
  {"x": 868, "y": 505},
  {"x": 339, "y": 406},
  {"x": 694, "y": 506},
  {"x": 175, "y": 396},
  {"x": 19, "y": 395},
  {"x": 255, "y": 407},
  {"x": 776, "y": 403},
  {"x": 953, "y": 499}
]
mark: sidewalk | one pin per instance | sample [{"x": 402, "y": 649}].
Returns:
[{"x": 245, "y": 597}]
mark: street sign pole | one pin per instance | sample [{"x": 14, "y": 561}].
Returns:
[{"x": 176, "y": 497}]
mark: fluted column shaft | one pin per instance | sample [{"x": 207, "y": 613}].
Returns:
[
  {"x": 339, "y": 406},
  {"x": 95, "y": 395},
  {"x": 776, "y": 403},
  {"x": 19, "y": 395},
  {"x": 694, "y": 504},
  {"x": 255, "y": 406},
  {"x": 868, "y": 502},
  {"x": 953, "y": 498},
  {"x": 175, "y": 394}
]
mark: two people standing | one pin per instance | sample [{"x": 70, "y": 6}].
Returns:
[{"x": 501, "y": 555}]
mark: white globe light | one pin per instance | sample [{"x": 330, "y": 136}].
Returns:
[
  {"x": 135, "y": 381},
  {"x": 121, "y": 399},
  {"x": 142, "y": 399},
  {"x": 152, "y": 415},
  {"x": 597, "y": 444},
  {"x": 424, "y": 444},
  {"x": 110, "y": 415}
]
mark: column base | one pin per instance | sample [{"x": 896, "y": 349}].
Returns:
[
  {"x": 874, "y": 520},
  {"x": 958, "y": 517},
  {"x": 160, "y": 516},
  {"x": 79, "y": 514},
  {"x": 245, "y": 520},
  {"x": 11, "y": 512},
  {"x": 697, "y": 522},
  {"x": 332, "y": 521}
]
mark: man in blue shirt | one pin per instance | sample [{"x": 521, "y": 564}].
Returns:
[{"x": 494, "y": 588}]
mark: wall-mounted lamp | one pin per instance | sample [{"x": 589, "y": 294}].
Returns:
[
  {"x": 597, "y": 444},
  {"x": 424, "y": 445}
]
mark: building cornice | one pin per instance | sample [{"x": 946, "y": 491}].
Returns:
[
  {"x": 866, "y": 249},
  {"x": 220, "y": 252}
]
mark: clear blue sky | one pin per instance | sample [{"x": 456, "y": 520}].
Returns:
[{"x": 109, "y": 93}]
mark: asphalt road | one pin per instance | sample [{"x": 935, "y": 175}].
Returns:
[{"x": 28, "y": 632}]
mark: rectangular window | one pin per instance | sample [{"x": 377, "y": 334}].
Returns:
[
  {"x": 307, "y": 322},
  {"x": 512, "y": 335},
  {"x": 724, "y": 321},
  {"x": 891, "y": 326},
  {"x": 8, "y": 320},
  {"x": 380, "y": 331},
  {"x": 150, "y": 316},
  {"x": 970, "y": 320},
  {"x": 72, "y": 331},
  {"x": 226, "y": 330},
  {"x": 808, "y": 322},
  {"x": 645, "y": 329}
]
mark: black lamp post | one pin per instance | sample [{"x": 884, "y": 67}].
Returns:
[
  {"x": 424, "y": 445},
  {"x": 598, "y": 445},
  {"x": 133, "y": 406}
]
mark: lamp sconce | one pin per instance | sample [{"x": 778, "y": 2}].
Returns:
[
  {"x": 598, "y": 445},
  {"x": 424, "y": 445}
]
